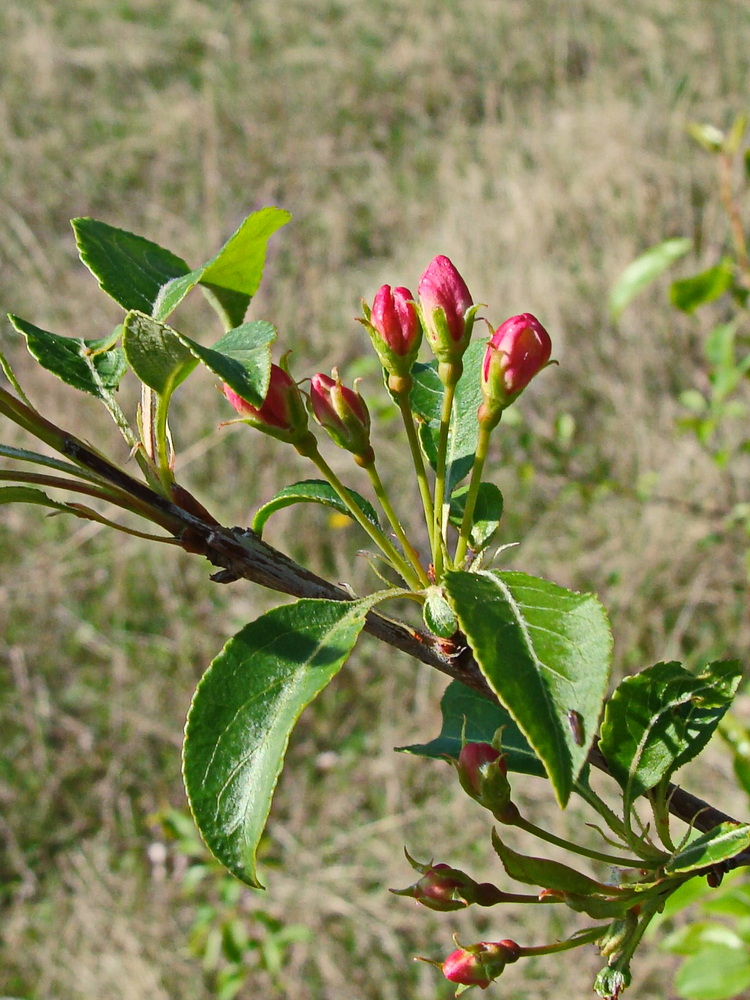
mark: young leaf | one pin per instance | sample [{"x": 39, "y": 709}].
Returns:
[
  {"x": 661, "y": 718},
  {"x": 547, "y": 874},
  {"x": 233, "y": 275},
  {"x": 131, "y": 269},
  {"x": 487, "y": 513},
  {"x": 438, "y": 615},
  {"x": 311, "y": 491},
  {"x": 718, "y": 845},
  {"x": 241, "y": 358},
  {"x": 690, "y": 293},
  {"x": 77, "y": 362},
  {"x": 155, "y": 353},
  {"x": 427, "y": 401},
  {"x": 469, "y": 717},
  {"x": 29, "y": 494},
  {"x": 645, "y": 269},
  {"x": 244, "y": 710},
  {"x": 545, "y": 652}
]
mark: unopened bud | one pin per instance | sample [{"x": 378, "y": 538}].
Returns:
[
  {"x": 447, "y": 310},
  {"x": 394, "y": 328},
  {"x": 480, "y": 964},
  {"x": 282, "y": 414},
  {"x": 517, "y": 351},
  {"x": 441, "y": 887},
  {"x": 343, "y": 414}
]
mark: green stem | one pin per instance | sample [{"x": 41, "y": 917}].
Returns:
[
  {"x": 401, "y": 396},
  {"x": 376, "y": 535},
  {"x": 449, "y": 374},
  {"x": 609, "y": 859},
  {"x": 409, "y": 550},
  {"x": 611, "y": 818},
  {"x": 467, "y": 522},
  {"x": 586, "y": 937}
]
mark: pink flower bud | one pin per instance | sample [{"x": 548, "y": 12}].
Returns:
[
  {"x": 282, "y": 413},
  {"x": 441, "y": 888},
  {"x": 394, "y": 318},
  {"x": 343, "y": 414},
  {"x": 479, "y": 964},
  {"x": 474, "y": 763},
  {"x": 517, "y": 351},
  {"x": 447, "y": 309}
]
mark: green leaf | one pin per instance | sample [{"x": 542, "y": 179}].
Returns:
[
  {"x": 427, "y": 401},
  {"x": 437, "y": 613},
  {"x": 241, "y": 358},
  {"x": 233, "y": 275},
  {"x": 546, "y": 653},
  {"x": 690, "y": 293},
  {"x": 487, "y": 513},
  {"x": 131, "y": 269},
  {"x": 470, "y": 717},
  {"x": 545, "y": 873},
  {"x": 693, "y": 937},
  {"x": 644, "y": 270},
  {"x": 244, "y": 710},
  {"x": 718, "y": 845},
  {"x": 28, "y": 494},
  {"x": 311, "y": 491},
  {"x": 661, "y": 718},
  {"x": 715, "y": 973},
  {"x": 76, "y": 362},
  {"x": 155, "y": 353}
]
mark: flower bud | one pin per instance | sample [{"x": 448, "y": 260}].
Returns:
[
  {"x": 517, "y": 351},
  {"x": 447, "y": 310},
  {"x": 282, "y": 413},
  {"x": 441, "y": 887},
  {"x": 482, "y": 771},
  {"x": 394, "y": 328},
  {"x": 480, "y": 964},
  {"x": 343, "y": 414}
]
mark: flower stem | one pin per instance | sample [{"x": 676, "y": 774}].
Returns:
[
  {"x": 467, "y": 522},
  {"x": 401, "y": 395},
  {"x": 449, "y": 374},
  {"x": 409, "y": 550},
  {"x": 609, "y": 859},
  {"x": 585, "y": 937},
  {"x": 376, "y": 535}
]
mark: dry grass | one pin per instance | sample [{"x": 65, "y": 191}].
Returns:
[{"x": 539, "y": 143}]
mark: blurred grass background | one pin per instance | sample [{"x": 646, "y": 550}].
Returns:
[{"x": 541, "y": 145}]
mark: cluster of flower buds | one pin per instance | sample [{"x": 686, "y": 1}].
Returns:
[
  {"x": 480, "y": 964},
  {"x": 445, "y": 312}
]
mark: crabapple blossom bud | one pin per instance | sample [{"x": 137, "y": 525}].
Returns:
[
  {"x": 441, "y": 888},
  {"x": 516, "y": 352},
  {"x": 282, "y": 414},
  {"x": 447, "y": 310},
  {"x": 480, "y": 964},
  {"x": 482, "y": 771},
  {"x": 394, "y": 328},
  {"x": 343, "y": 414}
]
